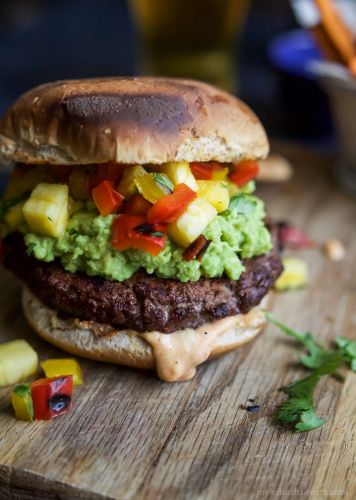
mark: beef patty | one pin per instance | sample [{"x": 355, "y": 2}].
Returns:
[{"x": 143, "y": 302}]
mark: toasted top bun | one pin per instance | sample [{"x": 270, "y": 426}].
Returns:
[
  {"x": 130, "y": 120},
  {"x": 127, "y": 347}
]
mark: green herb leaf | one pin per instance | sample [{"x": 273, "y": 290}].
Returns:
[
  {"x": 317, "y": 354},
  {"x": 309, "y": 421},
  {"x": 22, "y": 389},
  {"x": 348, "y": 347},
  {"x": 242, "y": 204},
  {"x": 164, "y": 182},
  {"x": 30, "y": 248},
  {"x": 148, "y": 229},
  {"x": 158, "y": 234},
  {"x": 299, "y": 409}
]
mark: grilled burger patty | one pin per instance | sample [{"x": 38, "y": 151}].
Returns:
[{"x": 143, "y": 302}]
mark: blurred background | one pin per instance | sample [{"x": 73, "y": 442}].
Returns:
[
  {"x": 254, "y": 48},
  {"x": 44, "y": 40}
]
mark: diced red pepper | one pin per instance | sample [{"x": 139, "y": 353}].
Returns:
[
  {"x": 52, "y": 396},
  {"x": 169, "y": 208},
  {"x": 244, "y": 172},
  {"x": 137, "y": 205},
  {"x": 107, "y": 200},
  {"x": 132, "y": 231},
  {"x": 197, "y": 249},
  {"x": 204, "y": 171},
  {"x": 111, "y": 172}
]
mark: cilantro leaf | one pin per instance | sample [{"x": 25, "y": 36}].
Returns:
[
  {"x": 317, "y": 354},
  {"x": 348, "y": 347},
  {"x": 299, "y": 409},
  {"x": 149, "y": 230},
  {"x": 309, "y": 421},
  {"x": 30, "y": 248},
  {"x": 302, "y": 389},
  {"x": 164, "y": 182},
  {"x": 242, "y": 204}
]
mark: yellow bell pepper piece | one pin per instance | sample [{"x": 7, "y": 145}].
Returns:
[
  {"x": 295, "y": 274},
  {"x": 17, "y": 362},
  {"x": 46, "y": 211},
  {"x": 58, "y": 367},
  {"x": 216, "y": 193},
  {"x": 153, "y": 187},
  {"x": 127, "y": 185},
  {"x": 192, "y": 223},
  {"x": 14, "y": 216},
  {"x": 21, "y": 400},
  {"x": 220, "y": 175},
  {"x": 180, "y": 173}
]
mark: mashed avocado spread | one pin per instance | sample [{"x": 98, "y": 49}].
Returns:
[{"x": 237, "y": 233}]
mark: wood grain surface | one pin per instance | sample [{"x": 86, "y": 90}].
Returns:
[{"x": 131, "y": 436}]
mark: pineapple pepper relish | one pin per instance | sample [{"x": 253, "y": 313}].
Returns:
[{"x": 112, "y": 220}]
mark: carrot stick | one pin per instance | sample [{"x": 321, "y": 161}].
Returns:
[{"x": 338, "y": 32}]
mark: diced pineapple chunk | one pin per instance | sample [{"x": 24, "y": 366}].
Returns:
[
  {"x": 17, "y": 362},
  {"x": 192, "y": 223},
  {"x": 46, "y": 211},
  {"x": 153, "y": 187},
  {"x": 14, "y": 216},
  {"x": 180, "y": 173},
  {"x": 220, "y": 175},
  {"x": 216, "y": 193},
  {"x": 295, "y": 274},
  {"x": 127, "y": 185}
]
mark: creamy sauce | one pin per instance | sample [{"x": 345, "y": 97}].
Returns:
[{"x": 178, "y": 354}]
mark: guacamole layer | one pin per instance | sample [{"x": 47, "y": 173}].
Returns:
[{"x": 235, "y": 234}]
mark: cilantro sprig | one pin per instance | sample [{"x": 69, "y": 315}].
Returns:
[
  {"x": 299, "y": 409},
  {"x": 164, "y": 182},
  {"x": 348, "y": 347}
]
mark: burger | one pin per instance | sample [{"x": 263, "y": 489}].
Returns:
[{"x": 130, "y": 219}]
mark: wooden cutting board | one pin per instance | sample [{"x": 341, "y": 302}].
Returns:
[{"x": 131, "y": 436}]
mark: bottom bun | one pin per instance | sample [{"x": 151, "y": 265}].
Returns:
[{"x": 175, "y": 356}]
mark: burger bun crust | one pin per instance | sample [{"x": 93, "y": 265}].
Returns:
[{"x": 130, "y": 121}]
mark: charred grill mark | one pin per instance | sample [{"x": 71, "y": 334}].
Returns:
[{"x": 163, "y": 113}]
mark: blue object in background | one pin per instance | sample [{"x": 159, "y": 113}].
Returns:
[
  {"x": 293, "y": 52},
  {"x": 306, "y": 114}
]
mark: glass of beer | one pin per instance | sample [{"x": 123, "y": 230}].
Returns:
[{"x": 190, "y": 38}]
